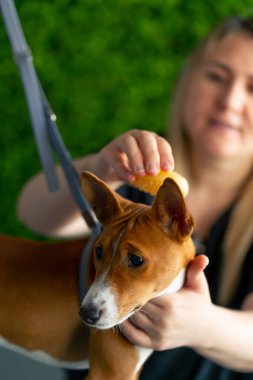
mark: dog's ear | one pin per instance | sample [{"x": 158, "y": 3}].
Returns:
[
  {"x": 170, "y": 211},
  {"x": 101, "y": 198}
]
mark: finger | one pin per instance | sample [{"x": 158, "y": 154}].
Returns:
[
  {"x": 151, "y": 158},
  {"x": 152, "y": 308},
  {"x": 112, "y": 161},
  {"x": 195, "y": 278},
  {"x": 155, "y": 305},
  {"x": 157, "y": 153},
  {"x": 165, "y": 152},
  {"x": 129, "y": 144},
  {"x": 135, "y": 335},
  {"x": 120, "y": 154},
  {"x": 145, "y": 317},
  {"x": 147, "y": 321}
]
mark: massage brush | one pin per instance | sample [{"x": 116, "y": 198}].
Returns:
[{"x": 151, "y": 184}]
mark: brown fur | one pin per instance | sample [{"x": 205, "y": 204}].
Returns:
[{"x": 39, "y": 296}]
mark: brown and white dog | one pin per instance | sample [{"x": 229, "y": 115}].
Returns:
[{"x": 141, "y": 253}]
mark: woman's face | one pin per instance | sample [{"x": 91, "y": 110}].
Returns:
[{"x": 219, "y": 102}]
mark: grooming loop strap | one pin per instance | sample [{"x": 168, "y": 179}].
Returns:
[{"x": 43, "y": 119}]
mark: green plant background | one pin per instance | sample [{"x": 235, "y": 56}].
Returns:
[{"x": 105, "y": 65}]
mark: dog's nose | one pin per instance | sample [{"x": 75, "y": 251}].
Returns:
[{"x": 90, "y": 315}]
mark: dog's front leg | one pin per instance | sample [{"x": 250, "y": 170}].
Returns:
[{"x": 112, "y": 357}]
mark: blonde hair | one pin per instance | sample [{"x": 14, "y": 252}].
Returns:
[{"x": 240, "y": 228}]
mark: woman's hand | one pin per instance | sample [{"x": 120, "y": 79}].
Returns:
[
  {"x": 132, "y": 154},
  {"x": 135, "y": 153},
  {"x": 173, "y": 320}
]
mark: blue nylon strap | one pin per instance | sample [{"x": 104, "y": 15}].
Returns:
[
  {"x": 23, "y": 58},
  {"x": 84, "y": 262},
  {"x": 46, "y": 133},
  {"x": 43, "y": 119}
]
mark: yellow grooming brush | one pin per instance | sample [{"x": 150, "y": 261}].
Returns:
[{"x": 151, "y": 184}]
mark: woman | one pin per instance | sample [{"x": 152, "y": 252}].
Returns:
[{"x": 203, "y": 331}]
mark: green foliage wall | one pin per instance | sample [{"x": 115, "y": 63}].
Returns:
[{"x": 105, "y": 65}]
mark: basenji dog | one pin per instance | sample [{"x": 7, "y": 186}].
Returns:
[{"x": 141, "y": 253}]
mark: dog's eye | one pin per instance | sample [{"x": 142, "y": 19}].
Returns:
[
  {"x": 99, "y": 253},
  {"x": 135, "y": 261}
]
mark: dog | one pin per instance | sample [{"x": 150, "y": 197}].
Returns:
[{"x": 142, "y": 252}]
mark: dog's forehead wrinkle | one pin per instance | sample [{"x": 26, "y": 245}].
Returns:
[
  {"x": 131, "y": 214},
  {"x": 125, "y": 222},
  {"x": 125, "y": 236}
]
